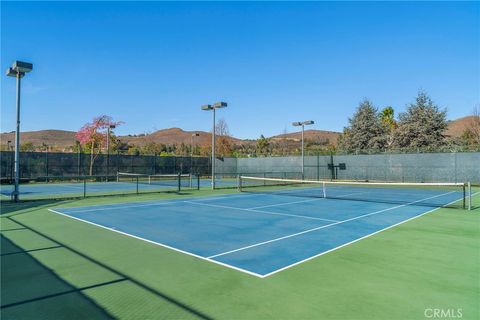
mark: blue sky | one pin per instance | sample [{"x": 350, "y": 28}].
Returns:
[{"x": 152, "y": 64}]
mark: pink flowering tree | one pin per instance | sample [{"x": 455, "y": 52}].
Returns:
[{"x": 93, "y": 136}]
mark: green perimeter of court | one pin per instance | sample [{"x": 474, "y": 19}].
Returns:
[{"x": 54, "y": 267}]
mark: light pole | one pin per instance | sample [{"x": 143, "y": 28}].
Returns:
[
  {"x": 303, "y": 124},
  {"x": 18, "y": 70},
  {"x": 111, "y": 126},
  {"x": 209, "y": 107}
]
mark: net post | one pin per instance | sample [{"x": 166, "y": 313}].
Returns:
[
  {"x": 198, "y": 182},
  {"x": 324, "y": 189},
  {"x": 137, "y": 184},
  {"x": 84, "y": 187},
  {"x": 239, "y": 183},
  {"x": 469, "y": 195},
  {"x": 118, "y": 177},
  {"x": 464, "y": 196}
]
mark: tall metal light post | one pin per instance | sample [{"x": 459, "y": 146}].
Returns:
[
  {"x": 303, "y": 124},
  {"x": 18, "y": 70},
  {"x": 209, "y": 107},
  {"x": 111, "y": 126}
]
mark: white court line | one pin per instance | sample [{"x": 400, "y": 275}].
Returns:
[
  {"x": 120, "y": 206},
  {"x": 160, "y": 244},
  {"x": 322, "y": 227},
  {"x": 260, "y": 211}
]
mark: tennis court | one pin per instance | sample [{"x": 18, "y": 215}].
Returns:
[
  {"x": 270, "y": 228},
  {"x": 124, "y": 183}
]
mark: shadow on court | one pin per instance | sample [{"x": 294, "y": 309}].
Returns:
[
  {"x": 8, "y": 207},
  {"x": 31, "y": 290}
]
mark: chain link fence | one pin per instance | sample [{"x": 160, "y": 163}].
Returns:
[{"x": 48, "y": 164}]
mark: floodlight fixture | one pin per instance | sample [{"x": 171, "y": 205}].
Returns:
[
  {"x": 207, "y": 107},
  {"x": 296, "y": 124},
  {"x": 19, "y": 68},
  {"x": 308, "y": 122},
  {"x": 219, "y": 105}
]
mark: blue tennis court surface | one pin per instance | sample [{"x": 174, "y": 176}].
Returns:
[
  {"x": 257, "y": 233},
  {"x": 77, "y": 188}
]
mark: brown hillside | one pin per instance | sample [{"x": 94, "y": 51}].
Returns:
[
  {"x": 58, "y": 139},
  {"x": 458, "y": 126},
  {"x": 312, "y": 135},
  {"x": 173, "y": 136}
]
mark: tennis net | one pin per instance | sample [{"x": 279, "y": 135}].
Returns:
[
  {"x": 178, "y": 181},
  {"x": 455, "y": 195}
]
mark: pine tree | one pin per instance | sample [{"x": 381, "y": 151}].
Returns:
[
  {"x": 365, "y": 130},
  {"x": 422, "y": 125}
]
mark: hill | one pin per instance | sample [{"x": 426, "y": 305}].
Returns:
[
  {"x": 173, "y": 136},
  {"x": 57, "y": 139},
  {"x": 319, "y": 136},
  {"x": 458, "y": 126},
  {"x": 62, "y": 140}
]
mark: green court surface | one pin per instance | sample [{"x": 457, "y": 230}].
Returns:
[{"x": 55, "y": 267}]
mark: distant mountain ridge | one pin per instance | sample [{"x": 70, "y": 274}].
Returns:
[{"x": 62, "y": 139}]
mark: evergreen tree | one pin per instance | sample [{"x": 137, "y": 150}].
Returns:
[
  {"x": 365, "y": 130},
  {"x": 422, "y": 125}
]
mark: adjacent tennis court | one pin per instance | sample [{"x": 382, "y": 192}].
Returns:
[
  {"x": 271, "y": 227},
  {"x": 80, "y": 186}
]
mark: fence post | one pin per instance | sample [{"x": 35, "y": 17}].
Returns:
[
  {"x": 131, "y": 163},
  {"x": 79, "y": 161},
  {"x": 118, "y": 159},
  {"x": 179, "y": 176},
  {"x": 154, "y": 163},
  {"x": 46, "y": 164}
]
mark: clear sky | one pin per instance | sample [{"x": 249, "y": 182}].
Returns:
[{"x": 152, "y": 64}]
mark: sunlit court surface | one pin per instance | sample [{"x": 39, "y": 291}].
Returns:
[{"x": 263, "y": 233}]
